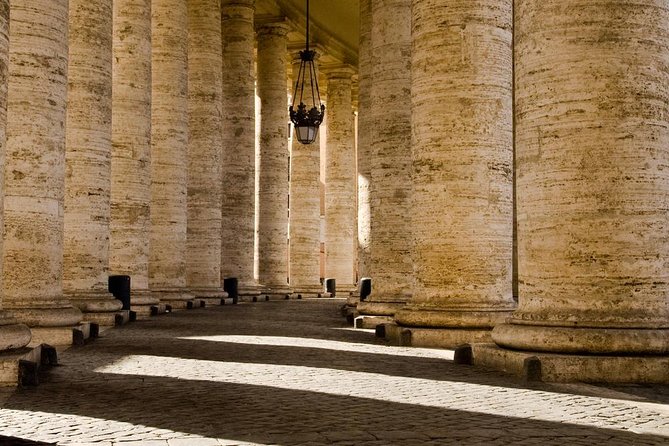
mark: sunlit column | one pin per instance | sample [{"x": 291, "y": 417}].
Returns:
[
  {"x": 204, "y": 149},
  {"x": 35, "y": 170},
  {"x": 389, "y": 159},
  {"x": 273, "y": 169},
  {"x": 88, "y": 161},
  {"x": 131, "y": 149},
  {"x": 169, "y": 152},
  {"x": 340, "y": 184},
  {"x": 462, "y": 144},
  {"x": 238, "y": 229}
]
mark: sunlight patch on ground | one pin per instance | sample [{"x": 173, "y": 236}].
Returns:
[
  {"x": 281, "y": 341},
  {"x": 449, "y": 395}
]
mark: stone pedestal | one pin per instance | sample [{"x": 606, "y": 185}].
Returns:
[
  {"x": 88, "y": 161},
  {"x": 169, "y": 152},
  {"x": 35, "y": 166},
  {"x": 273, "y": 166},
  {"x": 390, "y": 160},
  {"x": 591, "y": 137},
  {"x": 238, "y": 138},
  {"x": 131, "y": 148},
  {"x": 340, "y": 185},
  {"x": 462, "y": 151},
  {"x": 204, "y": 149}
]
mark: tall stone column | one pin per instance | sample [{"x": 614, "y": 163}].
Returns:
[
  {"x": 305, "y": 207},
  {"x": 169, "y": 152},
  {"x": 13, "y": 335},
  {"x": 592, "y": 136},
  {"x": 204, "y": 149},
  {"x": 390, "y": 160},
  {"x": 88, "y": 161},
  {"x": 35, "y": 170},
  {"x": 238, "y": 229},
  {"x": 273, "y": 169},
  {"x": 340, "y": 185},
  {"x": 462, "y": 150},
  {"x": 131, "y": 150}
]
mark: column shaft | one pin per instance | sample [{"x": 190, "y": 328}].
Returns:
[
  {"x": 204, "y": 148},
  {"x": 462, "y": 138},
  {"x": 169, "y": 151},
  {"x": 88, "y": 161},
  {"x": 273, "y": 169},
  {"x": 35, "y": 169}
]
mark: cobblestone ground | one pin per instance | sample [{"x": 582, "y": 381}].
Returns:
[{"x": 291, "y": 373}]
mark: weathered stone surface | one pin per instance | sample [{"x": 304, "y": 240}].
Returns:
[
  {"x": 35, "y": 164},
  {"x": 340, "y": 185},
  {"x": 88, "y": 158},
  {"x": 131, "y": 146},
  {"x": 305, "y": 206},
  {"x": 273, "y": 166},
  {"x": 389, "y": 134},
  {"x": 238, "y": 229},
  {"x": 204, "y": 148},
  {"x": 462, "y": 151},
  {"x": 592, "y": 187},
  {"x": 169, "y": 151}
]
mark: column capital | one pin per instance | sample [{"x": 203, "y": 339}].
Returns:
[
  {"x": 338, "y": 71},
  {"x": 239, "y": 3},
  {"x": 273, "y": 26}
]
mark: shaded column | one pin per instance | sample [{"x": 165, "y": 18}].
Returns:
[
  {"x": 273, "y": 168},
  {"x": 390, "y": 160},
  {"x": 340, "y": 185},
  {"x": 238, "y": 229},
  {"x": 462, "y": 145},
  {"x": 169, "y": 152},
  {"x": 592, "y": 136},
  {"x": 35, "y": 171},
  {"x": 305, "y": 218},
  {"x": 204, "y": 149},
  {"x": 88, "y": 161},
  {"x": 13, "y": 335},
  {"x": 131, "y": 149}
]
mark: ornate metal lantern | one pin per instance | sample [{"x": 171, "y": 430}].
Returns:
[{"x": 308, "y": 116}]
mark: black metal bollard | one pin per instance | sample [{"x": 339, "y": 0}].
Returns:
[
  {"x": 231, "y": 286},
  {"x": 331, "y": 286},
  {"x": 119, "y": 286},
  {"x": 365, "y": 288}
]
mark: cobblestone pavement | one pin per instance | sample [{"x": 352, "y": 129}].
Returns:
[{"x": 291, "y": 373}]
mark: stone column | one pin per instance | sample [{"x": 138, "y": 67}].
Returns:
[
  {"x": 592, "y": 136},
  {"x": 238, "y": 229},
  {"x": 204, "y": 149},
  {"x": 305, "y": 208},
  {"x": 169, "y": 152},
  {"x": 390, "y": 160},
  {"x": 340, "y": 185},
  {"x": 273, "y": 169},
  {"x": 35, "y": 171},
  {"x": 462, "y": 144},
  {"x": 13, "y": 335},
  {"x": 88, "y": 161},
  {"x": 131, "y": 150}
]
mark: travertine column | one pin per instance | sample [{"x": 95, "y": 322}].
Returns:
[
  {"x": 273, "y": 169},
  {"x": 13, "y": 335},
  {"x": 592, "y": 137},
  {"x": 462, "y": 142},
  {"x": 35, "y": 170},
  {"x": 204, "y": 149},
  {"x": 88, "y": 161},
  {"x": 169, "y": 152},
  {"x": 390, "y": 159},
  {"x": 131, "y": 149},
  {"x": 340, "y": 186},
  {"x": 238, "y": 229},
  {"x": 305, "y": 207}
]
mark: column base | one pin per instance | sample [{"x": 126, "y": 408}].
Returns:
[
  {"x": 386, "y": 307},
  {"x": 552, "y": 367},
  {"x": 48, "y": 314},
  {"x": 13, "y": 335},
  {"x": 363, "y": 321},
  {"x": 145, "y": 305},
  {"x": 99, "y": 306},
  {"x": 10, "y": 363},
  {"x": 308, "y": 291},
  {"x": 432, "y": 337},
  {"x": 61, "y": 336},
  {"x": 276, "y": 292},
  {"x": 177, "y": 299},
  {"x": 117, "y": 318},
  {"x": 453, "y": 318}
]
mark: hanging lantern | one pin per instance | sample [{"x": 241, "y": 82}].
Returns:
[{"x": 309, "y": 114}]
